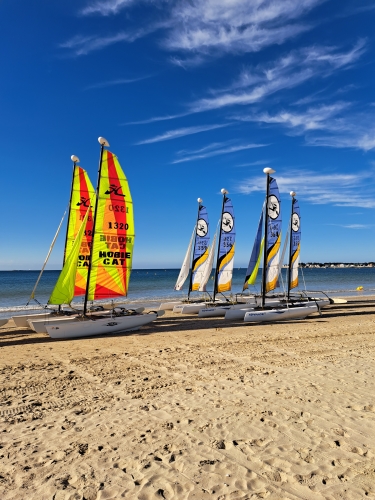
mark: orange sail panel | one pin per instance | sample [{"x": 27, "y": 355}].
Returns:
[
  {"x": 112, "y": 250},
  {"x": 83, "y": 197}
]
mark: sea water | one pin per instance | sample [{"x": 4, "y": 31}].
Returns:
[{"x": 149, "y": 287}]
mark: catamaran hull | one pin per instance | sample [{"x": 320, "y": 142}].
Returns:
[
  {"x": 221, "y": 311},
  {"x": 286, "y": 314},
  {"x": 3, "y": 321},
  {"x": 39, "y": 326},
  {"x": 188, "y": 308},
  {"x": 237, "y": 314},
  {"x": 102, "y": 326},
  {"x": 22, "y": 321},
  {"x": 168, "y": 306}
]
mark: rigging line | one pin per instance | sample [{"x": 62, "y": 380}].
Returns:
[
  {"x": 303, "y": 277},
  {"x": 32, "y": 296}
]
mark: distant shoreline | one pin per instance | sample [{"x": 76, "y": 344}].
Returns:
[{"x": 308, "y": 265}]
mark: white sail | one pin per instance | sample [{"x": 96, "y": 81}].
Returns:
[
  {"x": 208, "y": 268},
  {"x": 283, "y": 255},
  {"x": 184, "y": 273}
]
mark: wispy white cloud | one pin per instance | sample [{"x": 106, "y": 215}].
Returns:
[
  {"x": 357, "y": 226},
  {"x": 205, "y": 153},
  {"x": 355, "y": 130},
  {"x": 106, "y": 7},
  {"x": 356, "y": 138},
  {"x": 312, "y": 119},
  {"x": 157, "y": 119},
  {"x": 80, "y": 45},
  {"x": 112, "y": 83},
  {"x": 212, "y": 27},
  {"x": 181, "y": 132},
  {"x": 346, "y": 190},
  {"x": 235, "y": 25},
  {"x": 297, "y": 67},
  {"x": 254, "y": 163}
]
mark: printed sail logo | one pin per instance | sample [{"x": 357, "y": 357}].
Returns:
[
  {"x": 85, "y": 202},
  {"x": 113, "y": 189},
  {"x": 295, "y": 222},
  {"x": 202, "y": 228},
  {"x": 227, "y": 222},
  {"x": 273, "y": 207}
]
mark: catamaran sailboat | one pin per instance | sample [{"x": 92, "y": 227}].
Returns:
[
  {"x": 272, "y": 263},
  {"x": 224, "y": 266},
  {"x": 196, "y": 258},
  {"x": 82, "y": 197},
  {"x": 110, "y": 263}
]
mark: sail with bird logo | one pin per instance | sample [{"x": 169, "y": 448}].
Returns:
[
  {"x": 295, "y": 244},
  {"x": 273, "y": 207},
  {"x": 201, "y": 249},
  {"x": 225, "y": 257},
  {"x": 113, "y": 237}
]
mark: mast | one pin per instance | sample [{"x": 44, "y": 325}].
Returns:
[
  {"x": 292, "y": 194},
  {"x": 267, "y": 171},
  {"x": 103, "y": 143},
  {"x": 224, "y": 192},
  {"x": 195, "y": 240}
]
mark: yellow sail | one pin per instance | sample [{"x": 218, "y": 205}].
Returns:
[
  {"x": 112, "y": 250},
  {"x": 63, "y": 292},
  {"x": 83, "y": 198}
]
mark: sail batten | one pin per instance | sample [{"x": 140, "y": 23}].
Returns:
[{"x": 112, "y": 247}]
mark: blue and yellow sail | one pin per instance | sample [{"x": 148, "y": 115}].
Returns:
[
  {"x": 295, "y": 244},
  {"x": 273, "y": 208},
  {"x": 225, "y": 261}
]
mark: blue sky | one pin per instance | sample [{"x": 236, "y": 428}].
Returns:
[{"x": 193, "y": 96}]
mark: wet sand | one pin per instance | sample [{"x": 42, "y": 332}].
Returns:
[{"x": 192, "y": 409}]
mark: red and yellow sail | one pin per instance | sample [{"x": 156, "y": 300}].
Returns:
[
  {"x": 82, "y": 199},
  {"x": 114, "y": 233}
]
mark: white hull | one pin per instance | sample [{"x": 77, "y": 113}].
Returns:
[
  {"x": 39, "y": 326},
  {"x": 21, "y": 321},
  {"x": 285, "y": 314},
  {"x": 188, "y": 308},
  {"x": 4, "y": 321},
  {"x": 168, "y": 306},
  {"x": 102, "y": 326},
  {"x": 234, "y": 314},
  {"x": 212, "y": 312}
]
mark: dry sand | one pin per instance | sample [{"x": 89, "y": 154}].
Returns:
[{"x": 192, "y": 409}]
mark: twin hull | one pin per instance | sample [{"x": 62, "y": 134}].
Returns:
[
  {"x": 102, "y": 326},
  {"x": 286, "y": 314},
  {"x": 22, "y": 321}
]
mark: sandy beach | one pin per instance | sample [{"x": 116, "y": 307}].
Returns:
[{"x": 193, "y": 409}]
